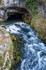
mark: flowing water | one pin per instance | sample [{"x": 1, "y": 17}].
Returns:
[{"x": 34, "y": 54}]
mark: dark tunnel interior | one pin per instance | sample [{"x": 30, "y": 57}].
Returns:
[{"x": 15, "y": 16}]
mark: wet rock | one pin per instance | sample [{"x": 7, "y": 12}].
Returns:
[{"x": 6, "y": 50}]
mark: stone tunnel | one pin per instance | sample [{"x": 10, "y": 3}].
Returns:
[{"x": 15, "y": 10}]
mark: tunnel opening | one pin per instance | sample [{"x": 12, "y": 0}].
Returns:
[{"x": 15, "y": 16}]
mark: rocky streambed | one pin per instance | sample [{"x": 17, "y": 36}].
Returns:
[
  {"x": 20, "y": 47},
  {"x": 29, "y": 50}
]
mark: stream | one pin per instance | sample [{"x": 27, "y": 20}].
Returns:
[{"x": 34, "y": 54}]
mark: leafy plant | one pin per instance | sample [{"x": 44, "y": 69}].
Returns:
[{"x": 32, "y": 6}]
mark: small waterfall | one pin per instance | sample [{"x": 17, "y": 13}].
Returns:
[{"x": 34, "y": 57}]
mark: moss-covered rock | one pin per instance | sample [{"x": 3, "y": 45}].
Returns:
[
  {"x": 0, "y": 2},
  {"x": 18, "y": 43},
  {"x": 27, "y": 18},
  {"x": 2, "y": 20},
  {"x": 39, "y": 25},
  {"x": 6, "y": 50}
]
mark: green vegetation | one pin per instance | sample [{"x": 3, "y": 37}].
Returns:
[
  {"x": 7, "y": 63},
  {"x": 1, "y": 60},
  {"x": 38, "y": 22},
  {"x": 0, "y": 1},
  {"x": 40, "y": 26},
  {"x": 18, "y": 44},
  {"x": 32, "y": 6},
  {"x": 3, "y": 20}
]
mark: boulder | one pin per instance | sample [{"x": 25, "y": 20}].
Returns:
[
  {"x": 40, "y": 26},
  {"x": 42, "y": 7},
  {"x": 39, "y": 21},
  {"x": 6, "y": 50}
]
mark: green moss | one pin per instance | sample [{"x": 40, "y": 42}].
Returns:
[
  {"x": 17, "y": 43},
  {"x": 43, "y": 38},
  {"x": 25, "y": 20},
  {"x": 1, "y": 21},
  {"x": 32, "y": 23},
  {"x": 39, "y": 24},
  {"x": 32, "y": 5},
  {"x": 0, "y": 2},
  {"x": 11, "y": 50},
  {"x": 18, "y": 59},
  {"x": 1, "y": 60},
  {"x": 4, "y": 31},
  {"x": 7, "y": 63},
  {"x": 12, "y": 66}
]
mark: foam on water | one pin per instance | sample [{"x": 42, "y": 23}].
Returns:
[{"x": 35, "y": 49}]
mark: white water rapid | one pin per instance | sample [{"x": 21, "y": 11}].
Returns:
[{"x": 35, "y": 49}]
